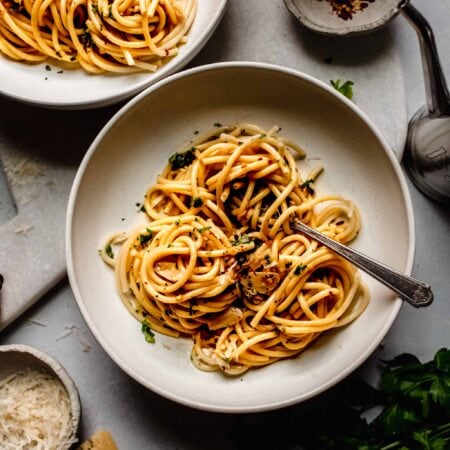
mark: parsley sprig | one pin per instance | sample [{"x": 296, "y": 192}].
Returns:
[
  {"x": 179, "y": 160},
  {"x": 415, "y": 409},
  {"x": 345, "y": 89}
]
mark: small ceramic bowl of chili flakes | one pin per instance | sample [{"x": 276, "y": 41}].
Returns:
[{"x": 343, "y": 17}]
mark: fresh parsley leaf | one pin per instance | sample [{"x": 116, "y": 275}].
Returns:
[
  {"x": 203, "y": 229},
  {"x": 442, "y": 360},
  {"x": 389, "y": 382},
  {"x": 397, "y": 418},
  {"x": 345, "y": 89},
  {"x": 148, "y": 333},
  {"x": 179, "y": 160},
  {"x": 440, "y": 391},
  {"x": 299, "y": 269}
]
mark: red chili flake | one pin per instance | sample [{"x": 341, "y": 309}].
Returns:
[{"x": 345, "y": 9}]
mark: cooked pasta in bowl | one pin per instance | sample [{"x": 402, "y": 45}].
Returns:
[
  {"x": 79, "y": 54},
  {"x": 179, "y": 237}
]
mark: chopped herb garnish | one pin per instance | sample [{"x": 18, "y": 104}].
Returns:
[
  {"x": 258, "y": 242},
  {"x": 109, "y": 251},
  {"x": 202, "y": 230},
  {"x": 144, "y": 238},
  {"x": 241, "y": 258},
  {"x": 179, "y": 160},
  {"x": 307, "y": 183},
  {"x": 217, "y": 124},
  {"x": 140, "y": 206},
  {"x": 345, "y": 89},
  {"x": 148, "y": 333},
  {"x": 299, "y": 269},
  {"x": 60, "y": 71},
  {"x": 110, "y": 15},
  {"x": 196, "y": 202},
  {"x": 94, "y": 8},
  {"x": 48, "y": 68},
  {"x": 262, "y": 136},
  {"x": 86, "y": 38},
  {"x": 73, "y": 58},
  {"x": 243, "y": 239}
]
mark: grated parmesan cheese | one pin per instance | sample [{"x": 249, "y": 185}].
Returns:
[{"x": 34, "y": 412}]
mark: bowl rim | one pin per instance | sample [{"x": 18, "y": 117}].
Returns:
[
  {"x": 234, "y": 65},
  {"x": 60, "y": 372}
]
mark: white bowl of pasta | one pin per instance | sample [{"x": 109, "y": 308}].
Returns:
[
  {"x": 93, "y": 53},
  {"x": 178, "y": 237}
]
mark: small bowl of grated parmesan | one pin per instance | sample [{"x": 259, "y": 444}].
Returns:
[{"x": 39, "y": 403}]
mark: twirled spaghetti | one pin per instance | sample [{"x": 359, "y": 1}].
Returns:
[
  {"x": 217, "y": 258},
  {"x": 120, "y": 36}
]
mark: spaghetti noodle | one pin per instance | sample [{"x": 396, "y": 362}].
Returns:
[
  {"x": 217, "y": 258},
  {"x": 119, "y": 36}
]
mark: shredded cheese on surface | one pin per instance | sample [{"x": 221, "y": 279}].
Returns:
[{"x": 34, "y": 412}]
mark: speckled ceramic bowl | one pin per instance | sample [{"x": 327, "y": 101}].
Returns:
[
  {"x": 17, "y": 357},
  {"x": 318, "y": 16}
]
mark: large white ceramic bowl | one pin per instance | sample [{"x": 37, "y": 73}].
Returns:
[
  {"x": 131, "y": 151},
  {"x": 77, "y": 89}
]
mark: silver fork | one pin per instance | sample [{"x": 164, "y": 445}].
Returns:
[{"x": 415, "y": 292}]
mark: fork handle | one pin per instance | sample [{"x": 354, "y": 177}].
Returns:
[{"x": 415, "y": 292}]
